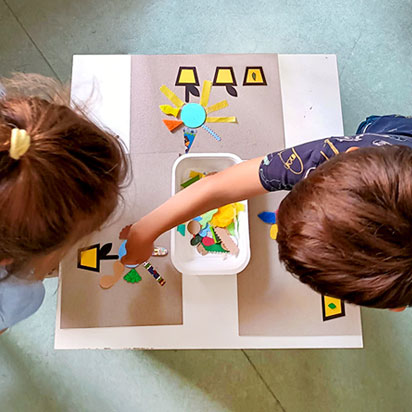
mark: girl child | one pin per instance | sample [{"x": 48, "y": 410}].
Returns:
[
  {"x": 345, "y": 228},
  {"x": 60, "y": 178}
]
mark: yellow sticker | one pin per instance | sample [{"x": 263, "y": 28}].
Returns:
[
  {"x": 88, "y": 258},
  {"x": 229, "y": 119},
  {"x": 254, "y": 76},
  {"x": 332, "y": 308},
  {"x": 171, "y": 96},
  {"x": 187, "y": 76},
  {"x": 217, "y": 106},
  {"x": 224, "y": 76}
]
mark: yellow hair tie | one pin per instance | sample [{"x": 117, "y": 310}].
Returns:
[{"x": 19, "y": 143}]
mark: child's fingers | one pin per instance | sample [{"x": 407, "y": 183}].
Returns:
[
  {"x": 124, "y": 233},
  {"x": 126, "y": 260}
]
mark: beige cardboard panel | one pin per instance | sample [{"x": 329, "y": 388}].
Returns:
[
  {"x": 258, "y": 109},
  {"x": 85, "y": 304},
  {"x": 271, "y": 301}
]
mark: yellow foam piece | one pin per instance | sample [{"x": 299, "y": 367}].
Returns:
[
  {"x": 187, "y": 76},
  {"x": 166, "y": 109},
  {"x": 224, "y": 76},
  {"x": 274, "y": 231},
  {"x": 258, "y": 76},
  {"x": 224, "y": 216},
  {"x": 229, "y": 119},
  {"x": 88, "y": 258},
  {"x": 217, "y": 106},
  {"x": 240, "y": 207},
  {"x": 171, "y": 96},
  {"x": 204, "y": 97},
  {"x": 327, "y": 300},
  {"x": 194, "y": 174}
]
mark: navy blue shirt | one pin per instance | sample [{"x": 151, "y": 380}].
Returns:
[{"x": 282, "y": 170}]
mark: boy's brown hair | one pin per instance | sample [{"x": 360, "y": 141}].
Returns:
[
  {"x": 67, "y": 183},
  {"x": 346, "y": 230}
]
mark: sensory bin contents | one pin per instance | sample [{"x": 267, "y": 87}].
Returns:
[{"x": 216, "y": 231}]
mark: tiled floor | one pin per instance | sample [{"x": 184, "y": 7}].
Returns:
[{"x": 373, "y": 42}]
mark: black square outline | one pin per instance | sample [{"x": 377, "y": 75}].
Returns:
[
  {"x": 260, "y": 68},
  {"x": 339, "y": 315},
  {"x": 187, "y": 84},
  {"x": 80, "y": 266}
]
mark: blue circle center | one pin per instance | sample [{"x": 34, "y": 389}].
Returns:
[{"x": 193, "y": 115}]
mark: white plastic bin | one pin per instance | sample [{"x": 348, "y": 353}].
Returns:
[{"x": 184, "y": 256}]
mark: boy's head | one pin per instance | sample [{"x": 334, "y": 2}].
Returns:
[
  {"x": 66, "y": 184},
  {"x": 346, "y": 230}
]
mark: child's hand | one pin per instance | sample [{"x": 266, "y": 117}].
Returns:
[
  {"x": 139, "y": 245},
  {"x": 231, "y": 185}
]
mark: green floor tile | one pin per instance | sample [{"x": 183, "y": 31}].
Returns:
[
  {"x": 35, "y": 378},
  {"x": 376, "y": 378},
  {"x": 17, "y": 51}
]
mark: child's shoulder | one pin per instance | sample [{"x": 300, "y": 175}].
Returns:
[
  {"x": 393, "y": 124},
  {"x": 19, "y": 298}
]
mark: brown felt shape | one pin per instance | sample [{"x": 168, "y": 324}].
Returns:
[
  {"x": 194, "y": 227},
  {"x": 202, "y": 250},
  {"x": 227, "y": 241},
  {"x": 107, "y": 281}
]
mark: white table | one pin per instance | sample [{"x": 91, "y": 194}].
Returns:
[{"x": 311, "y": 109}]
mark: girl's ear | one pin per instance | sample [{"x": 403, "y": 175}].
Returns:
[
  {"x": 6, "y": 262},
  {"x": 398, "y": 309}
]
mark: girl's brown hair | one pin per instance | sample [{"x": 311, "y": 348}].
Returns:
[
  {"x": 346, "y": 230},
  {"x": 67, "y": 183}
]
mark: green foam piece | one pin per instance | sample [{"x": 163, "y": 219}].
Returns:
[
  {"x": 190, "y": 181},
  {"x": 332, "y": 305},
  {"x": 182, "y": 229},
  {"x": 217, "y": 248},
  {"x": 231, "y": 228},
  {"x": 215, "y": 238},
  {"x": 207, "y": 217},
  {"x": 132, "y": 277},
  {"x": 196, "y": 240}
]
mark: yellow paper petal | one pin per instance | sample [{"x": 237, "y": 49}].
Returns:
[
  {"x": 171, "y": 96},
  {"x": 229, "y": 119},
  {"x": 204, "y": 97},
  {"x": 217, "y": 106},
  {"x": 274, "y": 231},
  {"x": 166, "y": 109}
]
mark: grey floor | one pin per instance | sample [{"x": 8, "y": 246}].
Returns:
[{"x": 373, "y": 42}]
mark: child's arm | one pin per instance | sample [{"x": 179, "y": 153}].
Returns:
[
  {"x": 236, "y": 183},
  {"x": 278, "y": 171}
]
